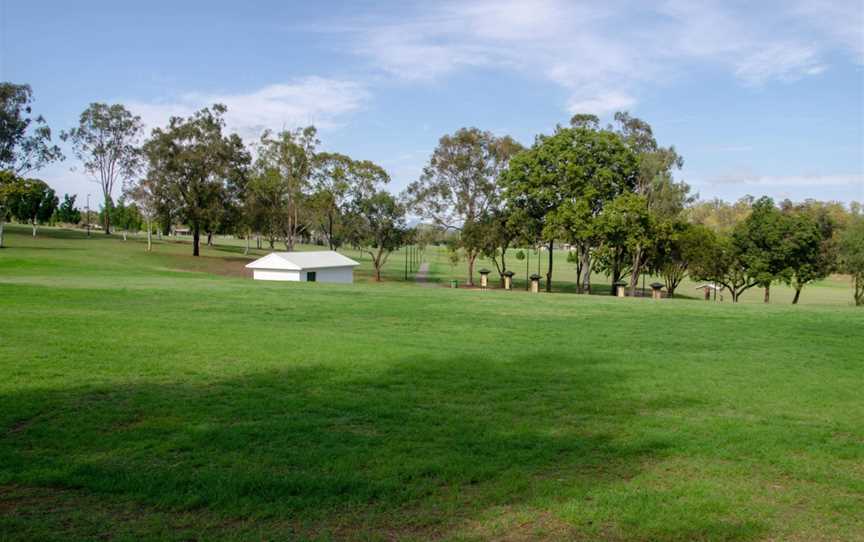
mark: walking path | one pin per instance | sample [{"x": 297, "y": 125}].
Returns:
[{"x": 421, "y": 276}]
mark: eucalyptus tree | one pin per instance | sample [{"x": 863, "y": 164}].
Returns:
[
  {"x": 337, "y": 181},
  {"x": 665, "y": 198},
  {"x": 282, "y": 179},
  {"x": 380, "y": 227},
  {"x": 459, "y": 185},
  {"x": 25, "y": 138},
  {"x": 144, "y": 195},
  {"x": 196, "y": 169},
  {"x": 107, "y": 142},
  {"x": 559, "y": 187}
]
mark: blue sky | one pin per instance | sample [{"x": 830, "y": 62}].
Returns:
[{"x": 759, "y": 100}]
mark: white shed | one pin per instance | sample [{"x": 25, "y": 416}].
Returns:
[{"x": 323, "y": 266}]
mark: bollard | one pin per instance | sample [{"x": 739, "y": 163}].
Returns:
[
  {"x": 535, "y": 284},
  {"x": 484, "y": 278},
  {"x": 508, "y": 280}
]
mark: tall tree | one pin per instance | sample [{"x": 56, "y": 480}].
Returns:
[
  {"x": 283, "y": 172},
  {"x": 852, "y": 256},
  {"x": 25, "y": 139},
  {"x": 337, "y": 181},
  {"x": 194, "y": 167},
  {"x": 460, "y": 183},
  {"x": 107, "y": 141},
  {"x": 559, "y": 187},
  {"x": 664, "y": 197},
  {"x": 379, "y": 227}
]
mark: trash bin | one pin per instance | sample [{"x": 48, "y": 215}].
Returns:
[{"x": 454, "y": 283}]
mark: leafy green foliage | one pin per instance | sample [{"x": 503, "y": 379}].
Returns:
[
  {"x": 560, "y": 186},
  {"x": 196, "y": 170},
  {"x": 67, "y": 212},
  {"x": 281, "y": 182},
  {"x": 379, "y": 227},
  {"x": 460, "y": 185},
  {"x": 25, "y": 139},
  {"x": 107, "y": 142},
  {"x": 852, "y": 256}
]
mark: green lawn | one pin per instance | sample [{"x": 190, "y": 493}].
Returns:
[{"x": 157, "y": 396}]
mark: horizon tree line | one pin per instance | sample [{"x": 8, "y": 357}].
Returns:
[{"x": 609, "y": 193}]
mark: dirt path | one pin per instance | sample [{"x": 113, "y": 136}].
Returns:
[{"x": 421, "y": 276}]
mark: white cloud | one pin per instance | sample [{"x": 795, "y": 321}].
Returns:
[
  {"x": 310, "y": 100},
  {"x": 780, "y": 61},
  {"x": 603, "y": 55},
  {"x": 852, "y": 180}
]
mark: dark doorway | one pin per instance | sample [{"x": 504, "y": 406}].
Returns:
[{"x": 310, "y": 276}]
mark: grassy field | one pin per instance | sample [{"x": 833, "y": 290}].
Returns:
[
  {"x": 836, "y": 290},
  {"x": 157, "y": 396}
]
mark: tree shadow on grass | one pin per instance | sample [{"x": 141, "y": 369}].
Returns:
[{"x": 424, "y": 449}]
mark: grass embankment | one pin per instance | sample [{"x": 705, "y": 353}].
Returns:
[{"x": 154, "y": 396}]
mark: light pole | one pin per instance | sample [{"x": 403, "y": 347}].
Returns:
[{"x": 88, "y": 215}]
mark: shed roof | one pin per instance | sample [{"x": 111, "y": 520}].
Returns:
[{"x": 298, "y": 261}]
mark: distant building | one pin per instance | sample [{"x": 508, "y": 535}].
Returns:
[{"x": 323, "y": 266}]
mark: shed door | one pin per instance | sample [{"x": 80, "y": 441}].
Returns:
[{"x": 310, "y": 276}]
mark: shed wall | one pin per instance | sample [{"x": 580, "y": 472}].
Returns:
[{"x": 267, "y": 274}]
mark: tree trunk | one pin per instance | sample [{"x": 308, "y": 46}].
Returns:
[
  {"x": 549, "y": 269},
  {"x": 124, "y": 235},
  {"x": 246, "y": 251},
  {"x": 797, "y": 296},
  {"x": 767, "y": 298},
  {"x": 34, "y": 227},
  {"x": 470, "y": 256},
  {"x": 196, "y": 239},
  {"x": 859, "y": 289},
  {"x": 586, "y": 270},
  {"x": 149, "y": 237},
  {"x": 107, "y": 216},
  {"x": 209, "y": 238},
  {"x": 1, "y": 231},
  {"x": 637, "y": 269}
]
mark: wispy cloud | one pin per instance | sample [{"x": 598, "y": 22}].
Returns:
[
  {"x": 605, "y": 54},
  {"x": 787, "y": 181},
  {"x": 310, "y": 100}
]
